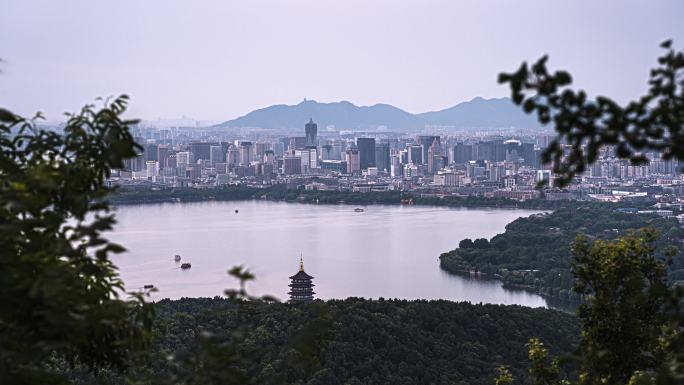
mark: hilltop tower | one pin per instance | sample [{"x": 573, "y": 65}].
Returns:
[{"x": 301, "y": 288}]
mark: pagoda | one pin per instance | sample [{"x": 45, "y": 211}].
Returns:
[{"x": 301, "y": 288}]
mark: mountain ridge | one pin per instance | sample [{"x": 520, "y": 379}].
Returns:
[{"x": 476, "y": 113}]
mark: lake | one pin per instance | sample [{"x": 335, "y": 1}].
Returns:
[{"x": 385, "y": 251}]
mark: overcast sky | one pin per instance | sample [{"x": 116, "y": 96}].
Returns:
[{"x": 221, "y": 59}]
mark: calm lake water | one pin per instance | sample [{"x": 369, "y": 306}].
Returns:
[{"x": 385, "y": 251}]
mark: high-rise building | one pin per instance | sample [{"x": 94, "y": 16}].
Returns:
[
  {"x": 396, "y": 168},
  {"x": 513, "y": 150},
  {"x": 529, "y": 155},
  {"x": 171, "y": 161},
  {"x": 366, "y": 148},
  {"x": 162, "y": 155},
  {"x": 425, "y": 142},
  {"x": 150, "y": 152},
  {"x": 296, "y": 143},
  {"x": 216, "y": 155},
  {"x": 463, "y": 153},
  {"x": 309, "y": 159},
  {"x": 278, "y": 148},
  {"x": 245, "y": 153},
  {"x": 353, "y": 160},
  {"x": 434, "y": 157},
  {"x": 152, "y": 168},
  {"x": 292, "y": 164},
  {"x": 382, "y": 157},
  {"x": 232, "y": 156},
  {"x": 201, "y": 150},
  {"x": 338, "y": 150},
  {"x": 261, "y": 148},
  {"x": 183, "y": 159},
  {"x": 269, "y": 157},
  {"x": 415, "y": 154},
  {"x": 326, "y": 152},
  {"x": 311, "y": 130},
  {"x": 496, "y": 172}
]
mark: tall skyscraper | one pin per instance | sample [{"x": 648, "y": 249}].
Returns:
[
  {"x": 150, "y": 152},
  {"x": 382, "y": 157},
  {"x": 162, "y": 155},
  {"x": 353, "y": 161},
  {"x": 463, "y": 153},
  {"x": 245, "y": 153},
  {"x": 415, "y": 154},
  {"x": 292, "y": 164},
  {"x": 232, "y": 156},
  {"x": 261, "y": 148},
  {"x": 311, "y": 130},
  {"x": 216, "y": 155},
  {"x": 434, "y": 157},
  {"x": 366, "y": 152},
  {"x": 326, "y": 152},
  {"x": 269, "y": 157},
  {"x": 201, "y": 150},
  {"x": 425, "y": 141}
]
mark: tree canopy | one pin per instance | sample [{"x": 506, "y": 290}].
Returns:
[
  {"x": 60, "y": 298},
  {"x": 654, "y": 122}
]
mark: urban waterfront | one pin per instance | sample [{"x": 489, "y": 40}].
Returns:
[{"x": 384, "y": 251}]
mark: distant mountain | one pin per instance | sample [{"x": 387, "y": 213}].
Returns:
[
  {"x": 341, "y": 114},
  {"x": 477, "y": 113},
  {"x": 482, "y": 113}
]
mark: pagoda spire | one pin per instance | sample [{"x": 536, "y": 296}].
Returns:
[{"x": 301, "y": 287}]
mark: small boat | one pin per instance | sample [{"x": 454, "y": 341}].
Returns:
[
  {"x": 186, "y": 266},
  {"x": 146, "y": 287},
  {"x": 358, "y": 210},
  {"x": 177, "y": 258},
  {"x": 236, "y": 211}
]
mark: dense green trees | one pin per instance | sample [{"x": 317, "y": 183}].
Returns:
[
  {"x": 632, "y": 320},
  {"x": 534, "y": 252},
  {"x": 283, "y": 193},
  {"x": 623, "y": 316},
  {"x": 59, "y": 300},
  {"x": 353, "y": 341}
]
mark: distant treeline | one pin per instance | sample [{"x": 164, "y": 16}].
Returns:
[
  {"x": 534, "y": 252},
  {"x": 353, "y": 341},
  {"x": 281, "y": 192}
]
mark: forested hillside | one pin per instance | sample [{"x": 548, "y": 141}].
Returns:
[
  {"x": 534, "y": 252},
  {"x": 353, "y": 341}
]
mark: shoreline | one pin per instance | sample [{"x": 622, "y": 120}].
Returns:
[{"x": 279, "y": 193}]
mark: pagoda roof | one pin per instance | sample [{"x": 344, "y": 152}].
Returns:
[{"x": 301, "y": 275}]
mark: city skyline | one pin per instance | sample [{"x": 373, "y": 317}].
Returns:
[{"x": 218, "y": 61}]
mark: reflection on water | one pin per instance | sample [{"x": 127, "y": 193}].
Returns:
[{"x": 385, "y": 251}]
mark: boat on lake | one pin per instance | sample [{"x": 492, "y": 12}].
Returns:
[
  {"x": 177, "y": 258},
  {"x": 186, "y": 266},
  {"x": 358, "y": 210}
]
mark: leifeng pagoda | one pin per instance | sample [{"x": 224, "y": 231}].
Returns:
[{"x": 301, "y": 288}]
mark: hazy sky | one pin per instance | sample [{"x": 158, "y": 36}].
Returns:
[{"x": 221, "y": 59}]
